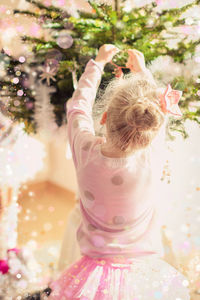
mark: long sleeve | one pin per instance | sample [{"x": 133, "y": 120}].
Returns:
[{"x": 79, "y": 109}]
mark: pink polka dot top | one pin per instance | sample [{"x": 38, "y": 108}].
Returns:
[{"x": 117, "y": 195}]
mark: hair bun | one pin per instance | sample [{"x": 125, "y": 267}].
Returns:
[{"x": 142, "y": 116}]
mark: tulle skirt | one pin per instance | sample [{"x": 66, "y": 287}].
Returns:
[{"x": 147, "y": 278}]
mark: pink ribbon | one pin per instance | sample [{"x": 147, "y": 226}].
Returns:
[{"x": 169, "y": 101}]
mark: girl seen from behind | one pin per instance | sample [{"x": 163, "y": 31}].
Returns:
[{"x": 118, "y": 179}]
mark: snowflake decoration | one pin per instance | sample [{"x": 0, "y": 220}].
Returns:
[{"x": 48, "y": 74}]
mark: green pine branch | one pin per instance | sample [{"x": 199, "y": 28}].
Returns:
[
  {"x": 179, "y": 11},
  {"x": 26, "y": 38},
  {"x": 54, "y": 25},
  {"x": 97, "y": 9},
  {"x": 26, "y": 12},
  {"x": 50, "y": 8}
]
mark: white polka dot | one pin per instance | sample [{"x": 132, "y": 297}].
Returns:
[
  {"x": 117, "y": 180},
  {"x": 91, "y": 227},
  {"x": 89, "y": 195},
  {"x": 117, "y": 220}
]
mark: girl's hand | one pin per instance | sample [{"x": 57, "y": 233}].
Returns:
[
  {"x": 136, "y": 61},
  {"x": 106, "y": 53}
]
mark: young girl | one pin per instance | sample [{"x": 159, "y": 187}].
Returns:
[{"x": 118, "y": 181}]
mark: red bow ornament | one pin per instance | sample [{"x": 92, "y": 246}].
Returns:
[{"x": 169, "y": 101}]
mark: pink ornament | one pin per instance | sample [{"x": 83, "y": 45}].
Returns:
[
  {"x": 29, "y": 105},
  {"x": 4, "y": 266},
  {"x": 65, "y": 41},
  {"x": 15, "y": 80},
  {"x": 25, "y": 82},
  {"x": 52, "y": 64},
  {"x": 54, "y": 54},
  {"x": 22, "y": 59},
  {"x": 198, "y": 93},
  {"x": 20, "y": 93}
]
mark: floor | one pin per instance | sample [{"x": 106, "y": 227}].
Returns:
[{"x": 44, "y": 208}]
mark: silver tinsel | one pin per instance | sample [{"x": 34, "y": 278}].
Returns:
[{"x": 44, "y": 114}]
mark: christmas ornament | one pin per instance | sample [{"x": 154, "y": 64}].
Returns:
[
  {"x": 22, "y": 59},
  {"x": 68, "y": 25},
  {"x": 54, "y": 54},
  {"x": 48, "y": 73},
  {"x": 52, "y": 63},
  {"x": 64, "y": 40}
]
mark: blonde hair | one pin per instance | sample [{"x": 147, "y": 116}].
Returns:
[{"x": 134, "y": 115}]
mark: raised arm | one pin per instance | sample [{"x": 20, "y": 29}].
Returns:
[
  {"x": 88, "y": 84},
  {"x": 136, "y": 63},
  {"x": 79, "y": 107}
]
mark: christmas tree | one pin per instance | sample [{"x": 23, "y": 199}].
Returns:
[{"x": 75, "y": 38}]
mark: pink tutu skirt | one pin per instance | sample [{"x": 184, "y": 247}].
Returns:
[{"x": 147, "y": 278}]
